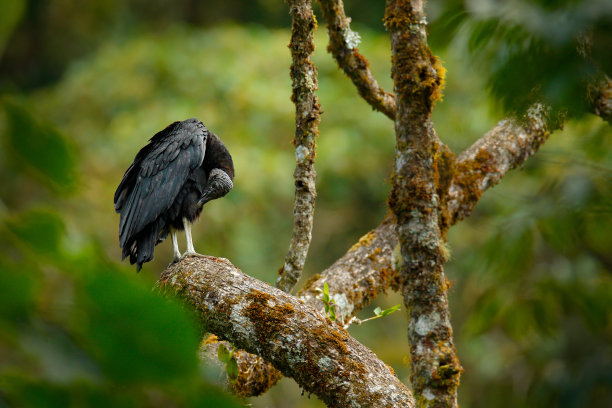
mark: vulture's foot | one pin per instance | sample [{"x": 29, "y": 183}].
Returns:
[
  {"x": 174, "y": 260},
  {"x": 192, "y": 254}
]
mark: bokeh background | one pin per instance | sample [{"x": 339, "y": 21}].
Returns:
[{"x": 84, "y": 86}]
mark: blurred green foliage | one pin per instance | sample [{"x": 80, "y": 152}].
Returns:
[
  {"x": 531, "y": 268},
  {"x": 10, "y": 17},
  {"x": 40, "y": 149},
  {"x": 545, "y": 51},
  {"x": 538, "y": 290},
  {"x": 76, "y": 330},
  {"x": 46, "y": 36}
]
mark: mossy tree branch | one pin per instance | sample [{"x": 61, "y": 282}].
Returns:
[
  {"x": 368, "y": 267},
  {"x": 343, "y": 46},
  {"x": 507, "y": 146},
  {"x": 487, "y": 161},
  {"x": 307, "y": 117},
  {"x": 354, "y": 280},
  {"x": 364, "y": 271},
  {"x": 415, "y": 201},
  {"x": 297, "y": 339}
]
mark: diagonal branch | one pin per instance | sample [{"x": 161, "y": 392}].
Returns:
[
  {"x": 506, "y": 147},
  {"x": 487, "y": 161},
  {"x": 298, "y": 340},
  {"x": 354, "y": 280},
  {"x": 367, "y": 269},
  {"x": 343, "y": 46},
  {"x": 307, "y": 117}
]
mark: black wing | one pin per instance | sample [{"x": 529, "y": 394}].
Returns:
[{"x": 156, "y": 176}]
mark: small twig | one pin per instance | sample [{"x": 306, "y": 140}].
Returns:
[
  {"x": 343, "y": 46},
  {"x": 307, "y": 117}
]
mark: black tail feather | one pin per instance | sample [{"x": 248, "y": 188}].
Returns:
[{"x": 140, "y": 248}]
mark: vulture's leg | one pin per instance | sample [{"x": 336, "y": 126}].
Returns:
[
  {"x": 190, "y": 250},
  {"x": 177, "y": 253}
]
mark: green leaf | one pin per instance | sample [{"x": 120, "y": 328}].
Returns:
[
  {"x": 135, "y": 334},
  {"x": 223, "y": 353},
  {"x": 378, "y": 311},
  {"x": 445, "y": 26},
  {"x": 40, "y": 149},
  {"x": 389, "y": 310},
  {"x": 325, "y": 292},
  {"x": 40, "y": 229},
  {"x": 17, "y": 291},
  {"x": 232, "y": 369}
]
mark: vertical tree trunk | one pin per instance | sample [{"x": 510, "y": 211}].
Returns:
[
  {"x": 414, "y": 199},
  {"x": 307, "y": 117}
]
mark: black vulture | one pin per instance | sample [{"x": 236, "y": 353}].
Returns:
[{"x": 163, "y": 191}]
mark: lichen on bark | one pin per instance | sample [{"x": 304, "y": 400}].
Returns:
[
  {"x": 487, "y": 161},
  {"x": 366, "y": 270},
  {"x": 296, "y": 338},
  {"x": 343, "y": 47},
  {"x": 307, "y": 116},
  {"x": 415, "y": 201}
]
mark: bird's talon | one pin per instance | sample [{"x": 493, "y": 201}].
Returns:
[{"x": 192, "y": 255}]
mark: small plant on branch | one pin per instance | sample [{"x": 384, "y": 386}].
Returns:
[
  {"x": 231, "y": 365},
  {"x": 330, "y": 309}
]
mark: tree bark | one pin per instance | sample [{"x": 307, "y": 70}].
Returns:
[
  {"x": 297, "y": 339},
  {"x": 343, "y": 46},
  {"x": 367, "y": 269},
  {"x": 414, "y": 199},
  {"x": 487, "y": 161},
  {"x": 307, "y": 117}
]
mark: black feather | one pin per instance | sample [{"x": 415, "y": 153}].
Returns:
[{"x": 164, "y": 184}]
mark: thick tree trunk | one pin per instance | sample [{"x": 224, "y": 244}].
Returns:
[{"x": 415, "y": 201}]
